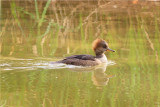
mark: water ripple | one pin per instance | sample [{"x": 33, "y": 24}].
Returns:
[{"x": 29, "y": 64}]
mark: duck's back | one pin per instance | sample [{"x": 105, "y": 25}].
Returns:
[{"x": 80, "y": 60}]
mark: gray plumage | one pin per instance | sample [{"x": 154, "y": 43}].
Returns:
[{"x": 83, "y": 60}]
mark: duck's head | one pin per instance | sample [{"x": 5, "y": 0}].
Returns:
[{"x": 100, "y": 46}]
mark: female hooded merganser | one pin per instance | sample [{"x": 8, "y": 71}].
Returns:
[{"x": 99, "y": 47}]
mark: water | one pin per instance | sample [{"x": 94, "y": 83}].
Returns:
[{"x": 33, "y": 34}]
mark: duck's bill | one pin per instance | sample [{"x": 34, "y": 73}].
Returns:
[{"x": 110, "y": 50}]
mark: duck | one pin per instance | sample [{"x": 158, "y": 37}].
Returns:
[{"x": 99, "y": 46}]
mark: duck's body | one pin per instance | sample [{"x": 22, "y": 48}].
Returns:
[
  {"x": 99, "y": 46},
  {"x": 84, "y": 60}
]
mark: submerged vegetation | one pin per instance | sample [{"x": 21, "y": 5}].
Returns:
[{"x": 55, "y": 29}]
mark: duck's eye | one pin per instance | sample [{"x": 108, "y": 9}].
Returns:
[{"x": 104, "y": 46}]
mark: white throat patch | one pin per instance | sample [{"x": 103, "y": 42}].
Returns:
[{"x": 103, "y": 59}]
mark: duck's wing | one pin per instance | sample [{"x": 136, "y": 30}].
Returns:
[
  {"x": 80, "y": 60},
  {"x": 82, "y": 57}
]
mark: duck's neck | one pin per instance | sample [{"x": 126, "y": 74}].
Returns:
[{"x": 102, "y": 57}]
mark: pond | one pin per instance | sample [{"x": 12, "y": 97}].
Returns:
[{"x": 35, "y": 33}]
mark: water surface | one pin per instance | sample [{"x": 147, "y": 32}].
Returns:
[{"x": 33, "y": 34}]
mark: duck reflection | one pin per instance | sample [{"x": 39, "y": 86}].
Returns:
[{"x": 99, "y": 76}]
